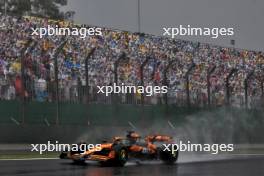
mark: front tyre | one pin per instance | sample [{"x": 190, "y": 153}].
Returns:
[
  {"x": 75, "y": 155},
  {"x": 63, "y": 155},
  {"x": 168, "y": 157},
  {"x": 121, "y": 156},
  {"x": 79, "y": 162}
]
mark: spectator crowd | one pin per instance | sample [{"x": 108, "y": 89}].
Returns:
[{"x": 30, "y": 72}]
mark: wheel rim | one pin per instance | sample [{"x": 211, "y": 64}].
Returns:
[
  {"x": 123, "y": 155},
  {"x": 174, "y": 154}
]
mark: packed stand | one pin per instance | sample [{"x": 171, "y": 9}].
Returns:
[{"x": 175, "y": 56}]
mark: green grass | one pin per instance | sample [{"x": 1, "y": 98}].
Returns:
[{"x": 27, "y": 155}]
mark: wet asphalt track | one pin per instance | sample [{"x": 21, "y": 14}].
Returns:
[{"x": 253, "y": 166}]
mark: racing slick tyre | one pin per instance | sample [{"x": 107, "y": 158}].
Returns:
[
  {"x": 167, "y": 156},
  {"x": 63, "y": 155},
  {"x": 79, "y": 161},
  {"x": 121, "y": 156}
]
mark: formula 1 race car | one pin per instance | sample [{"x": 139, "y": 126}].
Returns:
[{"x": 121, "y": 149}]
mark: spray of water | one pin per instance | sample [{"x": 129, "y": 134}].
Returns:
[{"x": 221, "y": 125}]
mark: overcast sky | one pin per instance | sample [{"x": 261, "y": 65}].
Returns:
[{"x": 245, "y": 16}]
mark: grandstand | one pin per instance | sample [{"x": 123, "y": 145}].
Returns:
[{"x": 197, "y": 74}]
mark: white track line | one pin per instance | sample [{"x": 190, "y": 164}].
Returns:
[{"x": 29, "y": 159}]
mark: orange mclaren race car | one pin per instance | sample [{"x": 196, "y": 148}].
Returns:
[{"x": 126, "y": 148}]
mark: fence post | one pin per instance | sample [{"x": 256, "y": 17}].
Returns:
[
  {"x": 232, "y": 72},
  {"x": 165, "y": 79},
  {"x": 188, "y": 83},
  {"x": 165, "y": 83},
  {"x": 249, "y": 76},
  {"x": 262, "y": 89},
  {"x": 116, "y": 65},
  {"x": 86, "y": 73},
  {"x": 142, "y": 66},
  {"x": 56, "y": 53},
  {"x": 23, "y": 53},
  {"x": 209, "y": 73}
]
